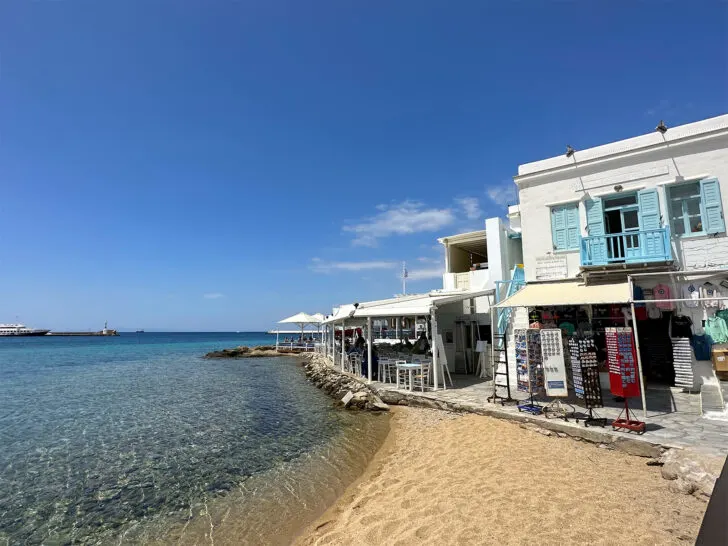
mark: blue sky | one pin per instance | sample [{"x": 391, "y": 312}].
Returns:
[{"x": 190, "y": 165}]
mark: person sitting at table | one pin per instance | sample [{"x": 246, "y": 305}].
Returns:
[
  {"x": 421, "y": 345},
  {"x": 360, "y": 343}
]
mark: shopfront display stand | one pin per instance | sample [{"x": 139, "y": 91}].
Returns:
[
  {"x": 531, "y": 407},
  {"x": 592, "y": 419},
  {"x": 557, "y": 408},
  {"x": 628, "y": 423}
]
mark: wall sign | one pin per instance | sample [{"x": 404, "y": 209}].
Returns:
[{"x": 551, "y": 268}]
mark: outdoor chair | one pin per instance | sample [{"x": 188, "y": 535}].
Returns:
[{"x": 421, "y": 378}]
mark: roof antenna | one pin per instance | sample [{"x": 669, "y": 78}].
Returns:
[{"x": 662, "y": 128}]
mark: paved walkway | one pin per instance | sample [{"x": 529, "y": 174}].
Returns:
[{"x": 673, "y": 417}]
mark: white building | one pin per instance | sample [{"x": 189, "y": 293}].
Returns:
[
  {"x": 645, "y": 210},
  {"x": 656, "y": 199},
  {"x": 458, "y": 315}
]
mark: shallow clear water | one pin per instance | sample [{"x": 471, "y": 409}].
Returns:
[{"x": 138, "y": 437}]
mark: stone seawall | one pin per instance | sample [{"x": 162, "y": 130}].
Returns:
[{"x": 346, "y": 389}]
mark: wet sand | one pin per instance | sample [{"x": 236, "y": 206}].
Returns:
[{"x": 442, "y": 478}]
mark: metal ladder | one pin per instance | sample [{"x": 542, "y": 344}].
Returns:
[
  {"x": 501, "y": 349},
  {"x": 500, "y": 342}
]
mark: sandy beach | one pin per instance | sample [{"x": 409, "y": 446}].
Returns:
[{"x": 443, "y": 478}]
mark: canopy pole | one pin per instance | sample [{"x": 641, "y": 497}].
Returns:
[
  {"x": 435, "y": 367},
  {"x": 343, "y": 345},
  {"x": 369, "y": 349},
  {"x": 333, "y": 345},
  {"x": 637, "y": 349}
]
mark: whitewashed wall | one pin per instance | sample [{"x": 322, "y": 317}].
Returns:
[{"x": 697, "y": 150}]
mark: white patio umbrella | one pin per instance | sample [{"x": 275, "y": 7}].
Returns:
[{"x": 301, "y": 319}]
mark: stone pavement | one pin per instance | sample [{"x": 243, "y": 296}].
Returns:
[{"x": 673, "y": 417}]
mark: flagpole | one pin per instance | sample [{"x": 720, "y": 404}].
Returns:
[{"x": 404, "y": 278}]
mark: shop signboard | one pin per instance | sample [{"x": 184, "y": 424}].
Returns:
[
  {"x": 551, "y": 268},
  {"x": 554, "y": 364},
  {"x": 622, "y": 362}
]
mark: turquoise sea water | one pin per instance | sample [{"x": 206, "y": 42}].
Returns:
[{"x": 137, "y": 438}]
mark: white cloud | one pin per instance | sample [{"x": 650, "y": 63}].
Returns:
[
  {"x": 502, "y": 194},
  {"x": 470, "y": 206},
  {"x": 213, "y": 296},
  {"x": 404, "y": 218},
  {"x": 421, "y": 274},
  {"x": 319, "y": 266},
  {"x": 661, "y": 107}
]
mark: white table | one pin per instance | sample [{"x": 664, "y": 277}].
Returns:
[{"x": 410, "y": 367}]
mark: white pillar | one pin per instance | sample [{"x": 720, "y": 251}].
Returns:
[
  {"x": 435, "y": 367},
  {"x": 639, "y": 363},
  {"x": 343, "y": 345},
  {"x": 396, "y": 327},
  {"x": 369, "y": 349},
  {"x": 333, "y": 344},
  {"x": 276, "y": 339}
]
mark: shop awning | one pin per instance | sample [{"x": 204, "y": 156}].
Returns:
[
  {"x": 568, "y": 293},
  {"x": 416, "y": 305}
]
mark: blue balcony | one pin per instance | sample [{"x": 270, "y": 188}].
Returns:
[{"x": 643, "y": 246}]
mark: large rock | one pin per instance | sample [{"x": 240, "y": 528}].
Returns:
[
  {"x": 691, "y": 472},
  {"x": 250, "y": 352}
]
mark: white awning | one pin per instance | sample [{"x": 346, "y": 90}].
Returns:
[
  {"x": 340, "y": 313},
  {"x": 417, "y": 305},
  {"x": 568, "y": 293}
]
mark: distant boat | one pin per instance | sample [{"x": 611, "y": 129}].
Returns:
[
  {"x": 20, "y": 330},
  {"x": 140, "y": 331}
]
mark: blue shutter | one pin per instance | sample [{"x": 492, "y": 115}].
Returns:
[
  {"x": 596, "y": 250},
  {"x": 572, "y": 226},
  {"x": 558, "y": 227},
  {"x": 594, "y": 217},
  {"x": 712, "y": 206},
  {"x": 649, "y": 204}
]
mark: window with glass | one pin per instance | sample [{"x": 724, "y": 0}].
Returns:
[{"x": 686, "y": 216}]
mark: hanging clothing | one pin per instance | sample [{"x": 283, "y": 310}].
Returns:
[
  {"x": 653, "y": 311},
  {"x": 690, "y": 292},
  {"x": 568, "y": 328},
  {"x": 638, "y": 294},
  {"x": 709, "y": 290},
  {"x": 662, "y": 292},
  {"x": 701, "y": 347},
  {"x": 716, "y": 330},
  {"x": 682, "y": 326}
]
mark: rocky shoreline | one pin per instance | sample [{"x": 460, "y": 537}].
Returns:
[
  {"x": 252, "y": 352},
  {"x": 346, "y": 389}
]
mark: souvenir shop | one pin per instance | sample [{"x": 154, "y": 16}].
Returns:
[
  {"x": 609, "y": 340},
  {"x": 578, "y": 347},
  {"x": 682, "y": 325}
]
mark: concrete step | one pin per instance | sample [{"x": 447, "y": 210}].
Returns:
[{"x": 711, "y": 398}]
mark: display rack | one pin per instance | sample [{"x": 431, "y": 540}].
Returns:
[
  {"x": 623, "y": 377},
  {"x": 529, "y": 367},
  {"x": 554, "y": 370},
  {"x": 585, "y": 375}
]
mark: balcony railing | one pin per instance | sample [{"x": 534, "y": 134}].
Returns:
[{"x": 649, "y": 245}]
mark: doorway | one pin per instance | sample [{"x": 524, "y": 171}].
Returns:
[{"x": 622, "y": 224}]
